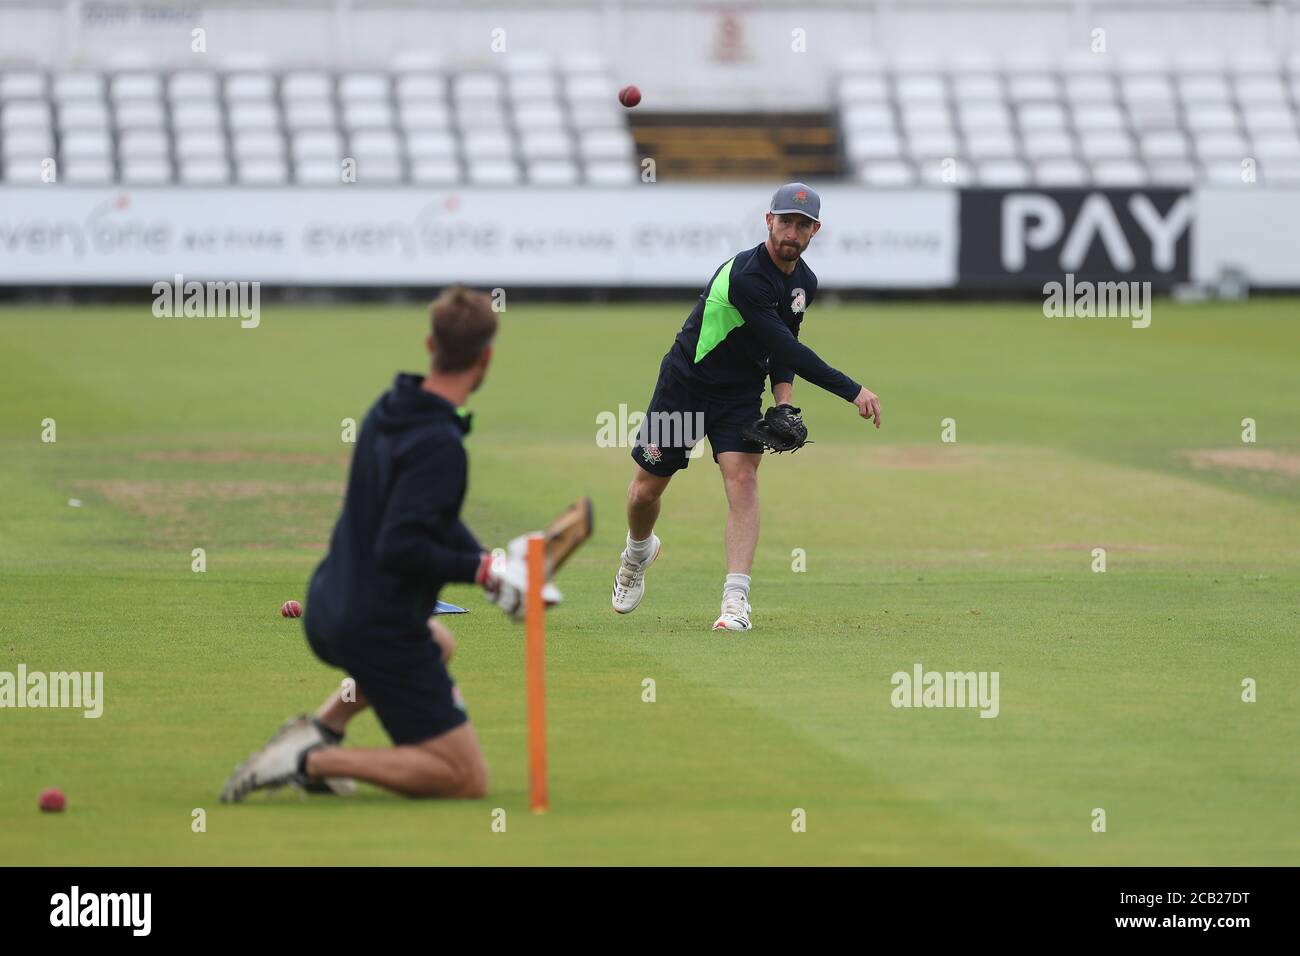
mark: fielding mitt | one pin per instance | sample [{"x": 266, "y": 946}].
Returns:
[{"x": 780, "y": 429}]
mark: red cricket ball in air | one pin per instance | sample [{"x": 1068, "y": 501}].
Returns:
[
  {"x": 52, "y": 800},
  {"x": 291, "y": 609},
  {"x": 629, "y": 96}
]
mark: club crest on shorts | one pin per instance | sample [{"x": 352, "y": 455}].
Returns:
[
  {"x": 652, "y": 454},
  {"x": 797, "y": 301}
]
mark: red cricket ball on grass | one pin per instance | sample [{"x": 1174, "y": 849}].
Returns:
[
  {"x": 291, "y": 609},
  {"x": 53, "y": 800},
  {"x": 629, "y": 96}
]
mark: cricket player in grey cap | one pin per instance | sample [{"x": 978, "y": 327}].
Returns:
[{"x": 743, "y": 331}]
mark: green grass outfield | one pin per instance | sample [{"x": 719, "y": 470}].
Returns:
[{"x": 1119, "y": 690}]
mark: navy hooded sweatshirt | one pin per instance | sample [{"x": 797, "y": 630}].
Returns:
[{"x": 400, "y": 537}]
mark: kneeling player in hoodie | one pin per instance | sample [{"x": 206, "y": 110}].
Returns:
[{"x": 398, "y": 540}]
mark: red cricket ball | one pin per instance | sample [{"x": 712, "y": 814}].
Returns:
[
  {"x": 291, "y": 609},
  {"x": 629, "y": 96},
  {"x": 53, "y": 800}
]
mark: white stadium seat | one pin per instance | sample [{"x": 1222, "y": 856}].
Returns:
[
  {"x": 135, "y": 86},
  {"x": 494, "y": 172},
  {"x": 1216, "y": 146},
  {"x": 436, "y": 171},
  {"x": 421, "y": 86},
  {"x": 887, "y": 173},
  {"x": 1172, "y": 172},
  {"x": 1041, "y": 116},
  {"x": 982, "y": 117},
  {"x": 1106, "y": 145},
  {"x": 1119, "y": 172},
  {"x": 1033, "y": 88},
  {"x": 1098, "y": 118},
  {"x": 1048, "y": 146},
  {"x": 868, "y": 116},
  {"x": 204, "y": 172},
  {"x": 533, "y": 86},
  {"x": 879, "y": 144},
  {"x": 262, "y": 172},
  {"x": 24, "y": 170},
  {"x": 363, "y": 87},
  {"x": 855, "y": 89},
  {"x": 87, "y": 171},
  {"x": 605, "y": 173},
  {"x": 311, "y": 86},
  {"x": 258, "y": 87},
  {"x": 199, "y": 144},
  {"x": 28, "y": 142},
  {"x": 1003, "y": 173},
  {"x": 310, "y": 114},
  {"x": 602, "y": 145},
  {"x": 978, "y": 88},
  {"x": 140, "y": 114},
  {"x": 87, "y": 144},
  {"x": 1164, "y": 145},
  {"x": 1060, "y": 172},
  {"x": 84, "y": 114},
  {"x": 1087, "y": 90},
  {"x": 258, "y": 144},
  {"x": 431, "y": 145},
  {"x": 488, "y": 145},
  {"x": 22, "y": 85},
  {"x": 929, "y": 116},
  {"x": 540, "y": 115},
  {"x": 933, "y": 145},
  {"x": 1211, "y": 118},
  {"x": 254, "y": 114},
  {"x": 921, "y": 89},
  {"x": 193, "y": 86},
  {"x": 424, "y": 115},
  {"x": 318, "y": 171},
  {"x": 143, "y": 144},
  {"x": 985, "y": 146},
  {"x": 78, "y": 85},
  {"x": 545, "y": 145},
  {"x": 146, "y": 170},
  {"x": 25, "y": 114},
  {"x": 552, "y": 172},
  {"x": 367, "y": 114}
]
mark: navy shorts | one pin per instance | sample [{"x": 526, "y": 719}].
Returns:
[
  {"x": 680, "y": 417},
  {"x": 404, "y": 679}
]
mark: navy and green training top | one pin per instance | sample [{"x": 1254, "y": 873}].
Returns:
[{"x": 746, "y": 328}]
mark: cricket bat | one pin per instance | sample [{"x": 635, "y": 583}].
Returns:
[{"x": 566, "y": 534}]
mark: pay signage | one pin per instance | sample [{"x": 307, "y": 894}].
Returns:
[{"x": 1023, "y": 238}]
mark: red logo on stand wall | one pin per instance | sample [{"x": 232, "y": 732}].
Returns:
[
  {"x": 729, "y": 44},
  {"x": 1022, "y": 238}
]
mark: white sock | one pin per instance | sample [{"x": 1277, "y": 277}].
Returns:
[
  {"x": 639, "y": 551},
  {"x": 737, "y": 582}
]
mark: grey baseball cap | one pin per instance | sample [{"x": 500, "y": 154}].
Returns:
[{"x": 796, "y": 197}]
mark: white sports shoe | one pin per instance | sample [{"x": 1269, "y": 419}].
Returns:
[
  {"x": 629, "y": 582},
  {"x": 276, "y": 764},
  {"x": 735, "y": 613}
]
